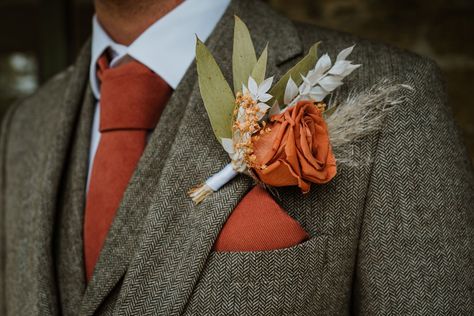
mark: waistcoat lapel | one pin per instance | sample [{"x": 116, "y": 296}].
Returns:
[{"x": 159, "y": 236}]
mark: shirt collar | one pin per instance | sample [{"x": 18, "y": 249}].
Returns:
[{"x": 168, "y": 46}]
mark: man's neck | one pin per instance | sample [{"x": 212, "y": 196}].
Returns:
[{"x": 125, "y": 20}]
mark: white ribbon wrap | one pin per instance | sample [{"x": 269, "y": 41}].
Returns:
[{"x": 218, "y": 180}]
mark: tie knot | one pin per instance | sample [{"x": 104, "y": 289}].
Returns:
[{"x": 131, "y": 96}]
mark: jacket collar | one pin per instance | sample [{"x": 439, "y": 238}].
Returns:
[{"x": 158, "y": 231}]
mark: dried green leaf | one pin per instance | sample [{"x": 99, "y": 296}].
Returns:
[
  {"x": 215, "y": 91},
  {"x": 301, "y": 68},
  {"x": 260, "y": 68},
  {"x": 244, "y": 57}
]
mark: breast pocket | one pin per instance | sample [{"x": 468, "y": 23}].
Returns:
[{"x": 278, "y": 282}]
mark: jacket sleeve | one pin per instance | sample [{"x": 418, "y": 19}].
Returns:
[{"x": 415, "y": 254}]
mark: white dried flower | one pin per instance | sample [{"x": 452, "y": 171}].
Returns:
[{"x": 322, "y": 80}]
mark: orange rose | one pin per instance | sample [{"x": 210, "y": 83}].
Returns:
[{"x": 296, "y": 149}]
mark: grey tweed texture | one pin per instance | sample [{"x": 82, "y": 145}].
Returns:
[{"x": 390, "y": 236}]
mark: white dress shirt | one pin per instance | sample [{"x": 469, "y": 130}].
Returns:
[{"x": 167, "y": 47}]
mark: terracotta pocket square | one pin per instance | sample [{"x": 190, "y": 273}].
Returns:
[{"x": 258, "y": 223}]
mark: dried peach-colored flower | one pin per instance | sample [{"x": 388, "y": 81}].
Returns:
[{"x": 294, "y": 149}]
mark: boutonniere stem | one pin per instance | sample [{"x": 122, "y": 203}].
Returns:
[{"x": 213, "y": 184}]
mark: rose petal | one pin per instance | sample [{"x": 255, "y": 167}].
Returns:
[{"x": 297, "y": 150}]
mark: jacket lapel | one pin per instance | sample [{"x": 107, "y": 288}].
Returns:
[
  {"x": 159, "y": 236},
  {"x": 46, "y": 181},
  {"x": 121, "y": 240}
]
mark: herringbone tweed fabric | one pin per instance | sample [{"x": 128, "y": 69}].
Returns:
[{"x": 390, "y": 236}]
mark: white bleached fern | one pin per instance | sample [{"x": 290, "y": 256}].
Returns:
[{"x": 320, "y": 81}]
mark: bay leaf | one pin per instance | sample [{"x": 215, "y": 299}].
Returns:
[
  {"x": 244, "y": 57},
  {"x": 260, "y": 69},
  {"x": 215, "y": 92}
]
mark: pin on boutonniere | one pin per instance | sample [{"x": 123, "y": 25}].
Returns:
[{"x": 282, "y": 134}]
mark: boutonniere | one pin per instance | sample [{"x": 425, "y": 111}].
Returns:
[{"x": 284, "y": 133}]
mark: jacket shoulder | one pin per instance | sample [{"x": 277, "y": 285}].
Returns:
[
  {"x": 30, "y": 121},
  {"x": 378, "y": 59},
  {"x": 37, "y": 111},
  {"x": 383, "y": 63},
  {"x": 44, "y": 101}
]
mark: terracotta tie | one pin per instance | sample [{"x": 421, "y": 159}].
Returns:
[{"x": 132, "y": 99}]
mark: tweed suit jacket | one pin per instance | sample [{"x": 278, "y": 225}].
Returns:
[{"x": 392, "y": 235}]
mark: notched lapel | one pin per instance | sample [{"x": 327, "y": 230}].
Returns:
[
  {"x": 159, "y": 237},
  {"x": 46, "y": 180}
]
